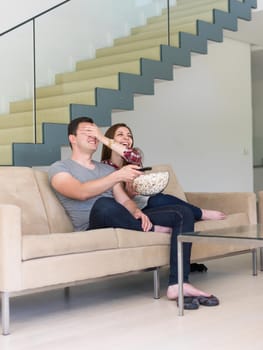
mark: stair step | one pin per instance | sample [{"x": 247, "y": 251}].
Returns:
[
  {"x": 109, "y": 82},
  {"x": 135, "y": 46},
  {"x": 179, "y": 12},
  {"x": 205, "y": 16},
  {"x": 54, "y": 102},
  {"x": 129, "y": 67},
  {"x": 196, "y": 3},
  {"x": 55, "y": 115},
  {"x": 6, "y": 155},
  {"x": 174, "y": 29},
  {"x": 23, "y": 134},
  {"x": 152, "y": 53},
  {"x": 17, "y": 134}
]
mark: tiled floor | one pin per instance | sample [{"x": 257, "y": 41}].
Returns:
[{"x": 121, "y": 314}]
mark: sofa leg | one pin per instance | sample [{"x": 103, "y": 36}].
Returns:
[
  {"x": 156, "y": 283},
  {"x": 66, "y": 293},
  {"x": 5, "y": 303},
  {"x": 254, "y": 262}
]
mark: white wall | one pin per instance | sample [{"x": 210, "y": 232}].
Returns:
[{"x": 201, "y": 122}]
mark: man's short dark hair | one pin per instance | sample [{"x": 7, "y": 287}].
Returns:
[{"x": 73, "y": 125}]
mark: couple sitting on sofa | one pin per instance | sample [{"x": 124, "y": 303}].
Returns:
[{"x": 93, "y": 195}]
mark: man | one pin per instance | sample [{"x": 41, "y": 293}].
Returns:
[{"x": 93, "y": 196}]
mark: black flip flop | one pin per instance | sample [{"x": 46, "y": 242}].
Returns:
[
  {"x": 194, "y": 267},
  {"x": 190, "y": 303},
  {"x": 208, "y": 301}
]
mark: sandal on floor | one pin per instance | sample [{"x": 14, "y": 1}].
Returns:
[
  {"x": 194, "y": 267},
  {"x": 208, "y": 301},
  {"x": 190, "y": 303}
]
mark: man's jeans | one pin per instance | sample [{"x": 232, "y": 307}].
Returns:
[{"x": 106, "y": 212}]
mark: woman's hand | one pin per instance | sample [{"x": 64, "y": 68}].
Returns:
[
  {"x": 94, "y": 131},
  {"x": 130, "y": 189}
]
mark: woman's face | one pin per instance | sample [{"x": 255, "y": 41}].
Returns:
[{"x": 124, "y": 136}]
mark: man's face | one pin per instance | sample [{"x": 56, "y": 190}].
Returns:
[{"x": 82, "y": 141}]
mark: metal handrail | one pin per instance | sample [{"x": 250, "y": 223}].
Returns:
[{"x": 34, "y": 17}]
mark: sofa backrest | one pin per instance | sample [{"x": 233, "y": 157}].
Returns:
[
  {"x": 41, "y": 211},
  {"x": 29, "y": 189},
  {"x": 57, "y": 218},
  {"x": 173, "y": 186}
]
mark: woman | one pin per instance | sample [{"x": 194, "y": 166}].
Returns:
[{"x": 118, "y": 151}]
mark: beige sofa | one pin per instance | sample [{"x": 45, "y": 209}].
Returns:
[{"x": 39, "y": 250}]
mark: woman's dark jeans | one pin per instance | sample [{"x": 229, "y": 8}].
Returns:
[
  {"x": 162, "y": 199},
  {"x": 106, "y": 212}
]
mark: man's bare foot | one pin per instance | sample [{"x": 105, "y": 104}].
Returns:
[
  {"x": 212, "y": 215},
  {"x": 162, "y": 229},
  {"x": 189, "y": 290}
]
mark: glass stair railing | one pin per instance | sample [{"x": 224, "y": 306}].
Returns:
[{"x": 76, "y": 49}]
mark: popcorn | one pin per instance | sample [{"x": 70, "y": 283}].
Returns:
[{"x": 150, "y": 184}]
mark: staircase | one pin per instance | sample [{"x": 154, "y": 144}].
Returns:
[{"x": 109, "y": 82}]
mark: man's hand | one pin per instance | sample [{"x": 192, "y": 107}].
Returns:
[
  {"x": 128, "y": 173},
  {"x": 121, "y": 197}
]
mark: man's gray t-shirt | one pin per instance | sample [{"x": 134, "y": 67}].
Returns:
[{"x": 79, "y": 211}]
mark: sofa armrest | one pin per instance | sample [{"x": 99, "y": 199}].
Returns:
[
  {"x": 227, "y": 202},
  {"x": 10, "y": 247}
]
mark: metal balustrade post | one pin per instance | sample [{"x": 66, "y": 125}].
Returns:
[{"x": 254, "y": 262}]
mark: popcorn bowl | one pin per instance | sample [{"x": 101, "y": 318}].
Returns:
[{"x": 151, "y": 184}]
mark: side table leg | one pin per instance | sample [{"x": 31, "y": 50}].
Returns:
[
  {"x": 261, "y": 259},
  {"x": 180, "y": 276},
  {"x": 254, "y": 262}
]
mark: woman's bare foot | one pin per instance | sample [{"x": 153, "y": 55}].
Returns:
[
  {"x": 162, "y": 229},
  {"x": 189, "y": 290},
  {"x": 212, "y": 215}
]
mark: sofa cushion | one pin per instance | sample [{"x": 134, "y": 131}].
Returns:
[
  {"x": 40, "y": 246},
  {"x": 205, "y": 251},
  {"x": 132, "y": 239},
  {"x": 231, "y": 220}
]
